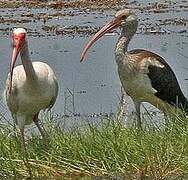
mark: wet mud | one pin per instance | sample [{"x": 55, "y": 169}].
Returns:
[{"x": 52, "y": 18}]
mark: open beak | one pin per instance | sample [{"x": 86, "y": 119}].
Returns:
[
  {"x": 17, "y": 44},
  {"x": 105, "y": 29}
]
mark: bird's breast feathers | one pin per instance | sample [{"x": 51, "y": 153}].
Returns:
[
  {"x": 135, "y": 80},
  {"x": 32, "y": 96}
]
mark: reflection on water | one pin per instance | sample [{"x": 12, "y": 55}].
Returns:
[{"x": 95, "y": 83}]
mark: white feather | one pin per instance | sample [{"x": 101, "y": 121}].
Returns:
[{"x": 19, "y": 30}]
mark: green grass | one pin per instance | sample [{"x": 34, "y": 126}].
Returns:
[{"x": 108, "y": 150}]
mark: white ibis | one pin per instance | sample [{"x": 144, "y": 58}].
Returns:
[
  {"x": 30, "y": 87},
  {"x": 145, "y": 76}
]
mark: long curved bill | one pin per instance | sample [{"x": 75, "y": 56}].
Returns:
[
  {"x": 15, "y": 53},
  {"x": 106, "y": 28}
]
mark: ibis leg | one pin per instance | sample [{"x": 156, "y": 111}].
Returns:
[
  {"x": 23, "y": 145},
  {"x": 41, "y": 130},
  {"x": 137, "y": 107}
]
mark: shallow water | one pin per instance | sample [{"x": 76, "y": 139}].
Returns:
[{"x": 59, "y": 40}]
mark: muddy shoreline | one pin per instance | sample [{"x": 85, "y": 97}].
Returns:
[
  {"x": 97, "y": 4},
  {"x": 48, "y": 18},
  {"x": 157, "y": 7}
]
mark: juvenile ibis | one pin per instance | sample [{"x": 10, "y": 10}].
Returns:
[
  {"x": 144, "y": 75},
  {"x": 30, "y": 87}
]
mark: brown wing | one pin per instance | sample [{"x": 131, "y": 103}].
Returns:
[{"x": 163, "y": 79}]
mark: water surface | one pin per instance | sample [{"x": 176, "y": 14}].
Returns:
[{"x": 57, "y": 37}]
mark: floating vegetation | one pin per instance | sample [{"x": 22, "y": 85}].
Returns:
[{"x": 78, "y": 17}]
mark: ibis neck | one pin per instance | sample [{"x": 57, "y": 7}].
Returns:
[
  {"x": 121, "y": 46},
  {"x": 123, "y": 42},
  {"x": 27, "y": 64}
]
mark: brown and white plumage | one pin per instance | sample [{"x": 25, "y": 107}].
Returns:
[
  {"x": 145, "y": 76},
  {"x": 30, "y": 87}
]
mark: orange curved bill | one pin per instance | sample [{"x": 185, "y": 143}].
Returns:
[
  {"x": 15, "y": 53},
  {"x": 17, "y": 40},
  {"x": 106, "y": 28}
]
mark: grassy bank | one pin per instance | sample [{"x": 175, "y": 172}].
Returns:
[{"x": 107, "y": 150}]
